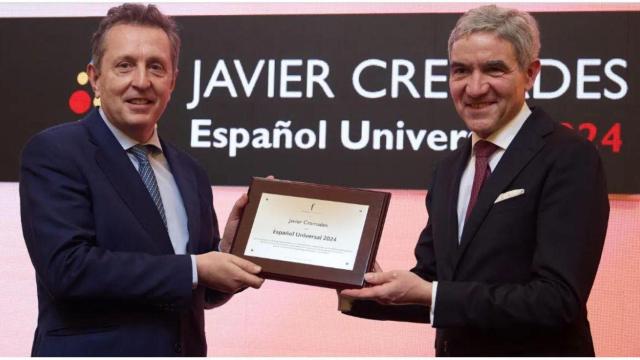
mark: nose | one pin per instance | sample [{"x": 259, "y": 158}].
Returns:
[
  {"x": 141, "y": 78},
  {"x": 477, "y": 85}
]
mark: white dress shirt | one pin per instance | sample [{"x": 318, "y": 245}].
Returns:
[
  {"x": 171, "y": 198},
  {"x": 501, "y": 138}
]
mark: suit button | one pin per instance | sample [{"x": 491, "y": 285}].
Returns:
[{"x": 178, "y": 348}]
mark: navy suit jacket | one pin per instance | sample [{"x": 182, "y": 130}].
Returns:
[
  {"x": 518, "y": 282},
  {"x": 107, "y": 277}
]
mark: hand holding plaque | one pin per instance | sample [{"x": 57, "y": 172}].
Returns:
[
  {"x": 233, "y": 221},
  {"x": 311, "y": 234}
]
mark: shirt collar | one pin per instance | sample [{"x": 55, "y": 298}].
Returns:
[
  {"x": 503, "y": 137},
  {"x": 125, "y": 141}
]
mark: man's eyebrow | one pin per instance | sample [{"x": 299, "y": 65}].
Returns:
[
  {"x": 457, "y": 64},
  {"x": 496, "y": 64},
  {"x": 159, "y": 59},
  {"x": 123, "y": 57}
]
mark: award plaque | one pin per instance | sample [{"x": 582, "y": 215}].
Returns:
[{"x": 311, "y": 234}]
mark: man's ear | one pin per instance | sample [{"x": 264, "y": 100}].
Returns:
[
  {"x": 532, "y": 72},
  {"x": 94, "y": 78}
]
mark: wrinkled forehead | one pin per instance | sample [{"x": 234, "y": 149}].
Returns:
[
  {"x": 489, "y": 46},
  {"x": 124, "y": 30},
  {"x": 137, "y": 39}
]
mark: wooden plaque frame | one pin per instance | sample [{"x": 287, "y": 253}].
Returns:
[{"x": 378, "y": 203}]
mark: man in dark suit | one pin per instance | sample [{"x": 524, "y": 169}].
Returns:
[
  {"x": 119, "y": 224},
  {"x": 517, "y": 215}
]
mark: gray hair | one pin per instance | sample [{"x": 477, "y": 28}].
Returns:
[{"x": 517, "y": 27}]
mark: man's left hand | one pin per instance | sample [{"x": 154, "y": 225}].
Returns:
[
  {"x": 232, "y": 223},
  {"x": 396, "y": 287}
]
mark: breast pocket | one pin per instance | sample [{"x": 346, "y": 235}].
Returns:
[{"x": 517, "y": 202}]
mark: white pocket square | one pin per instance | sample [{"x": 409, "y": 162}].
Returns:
[{"x": 508, "y": 195}]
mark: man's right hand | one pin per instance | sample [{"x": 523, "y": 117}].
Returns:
[
  {"x": 226, "y": 272},
  {"x": 345, "y": 303},
  {"x": 397, "y": 287}
]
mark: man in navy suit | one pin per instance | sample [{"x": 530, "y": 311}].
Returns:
[
  {"x": 119, "y": 224},
  {"x": 517, "y": 215}
]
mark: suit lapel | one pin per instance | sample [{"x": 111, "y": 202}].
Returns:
[
  {"x": 187, "y": 184},
  {"x": 454, "y": 172},
  {"x": 117, "y": 167},
  {"x": 528, "y": 142}
]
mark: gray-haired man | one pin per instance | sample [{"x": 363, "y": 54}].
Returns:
[{"x": 517, "y": 215}]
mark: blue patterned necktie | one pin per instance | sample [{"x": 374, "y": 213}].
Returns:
[{"x": 141, "y": 152}]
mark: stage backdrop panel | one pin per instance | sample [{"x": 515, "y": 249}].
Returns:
[{"x": 357, "y": 100}]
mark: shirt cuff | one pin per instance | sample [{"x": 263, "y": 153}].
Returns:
[
  {"x": 194, "y": 272},
  {"x": 434, "y": 290}
]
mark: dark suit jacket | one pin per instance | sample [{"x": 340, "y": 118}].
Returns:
[
  {"x": 107, "y": 277},
  {"x": 518, "y": 282}
]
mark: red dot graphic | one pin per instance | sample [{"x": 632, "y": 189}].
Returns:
[{"x": 79, "y": 102}]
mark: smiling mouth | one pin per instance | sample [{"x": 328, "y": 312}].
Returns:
[
  {"x": 139, "y": 101},
  {"x": 480, "y": 105}
]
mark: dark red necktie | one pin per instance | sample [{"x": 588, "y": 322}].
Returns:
[{"x": 483, "y": 150}]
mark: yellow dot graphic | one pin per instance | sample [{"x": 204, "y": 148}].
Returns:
[
  {"x": 96, "y": 101},
  {"x": 82, "y": 78}
]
